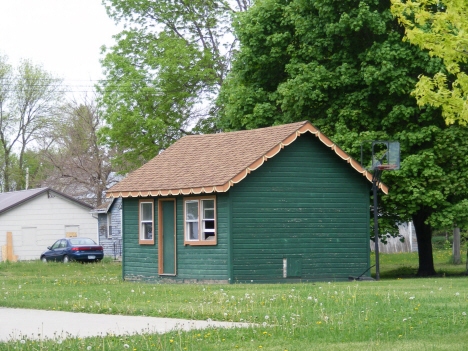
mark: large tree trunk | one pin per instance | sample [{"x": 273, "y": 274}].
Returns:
[{"x": 424, "y": 235}]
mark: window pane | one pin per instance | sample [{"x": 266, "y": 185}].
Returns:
[
  {"x": 209, "y": 225},
  {"x": 192, "y": 230},
  {"x": 209, "y": 236},
  {"x": 147, "y": 230},
  {"x": 208, "y": 204},
  {"x": 146, "y": 211},
  {"x": 208, "y": 214},
  {"x": 191, "y": 210}
]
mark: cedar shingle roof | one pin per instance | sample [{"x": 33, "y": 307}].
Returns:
[{"x": 214, "y": 162}]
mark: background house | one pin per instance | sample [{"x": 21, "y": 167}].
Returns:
[
  {"x": 39, "y": 217},
  {"x": 109, "y": 216},
  {"x": 407, "y": 232},
  {"x": 278, "y": 204}
]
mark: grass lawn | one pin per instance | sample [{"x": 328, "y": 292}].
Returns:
[
  {"x": 401, "y": 265},
  {"x": 397, "y": 313}
]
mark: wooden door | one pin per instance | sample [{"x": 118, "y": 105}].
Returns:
[{"x": 167, "y": 237}]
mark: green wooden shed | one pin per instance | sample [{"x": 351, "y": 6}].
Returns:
[{"x": 277, "y": 204}]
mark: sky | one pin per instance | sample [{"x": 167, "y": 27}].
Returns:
[{"x": 65, "y": 36}]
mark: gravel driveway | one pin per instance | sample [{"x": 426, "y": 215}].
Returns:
[{"x": 16, "y": 323}]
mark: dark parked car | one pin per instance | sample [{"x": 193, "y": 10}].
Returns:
[{"x": 73, "y": 249}]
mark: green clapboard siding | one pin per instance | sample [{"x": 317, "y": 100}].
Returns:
[
  {"x": 193, "y": 262},
  {"x": 204, "y": 262},
  {"x": 139, "y": 261},
  {"x": 306, "y": 205},
  {"x": 168, "y": 238}
]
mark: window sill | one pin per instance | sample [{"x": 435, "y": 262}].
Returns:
[
  {"x": 201, "y": 243},
  {"x": 146, "y": 242}
]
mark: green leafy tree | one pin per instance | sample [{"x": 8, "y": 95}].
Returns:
[
  {"x": 29, "y": 99},
  {"x": 164, "y": 71},
  {"x": 442, "y": 28},
  {"x": 342, "y": 65}
]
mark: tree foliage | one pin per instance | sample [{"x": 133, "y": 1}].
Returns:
[
  {"x": 80, "y": 166},
  {"x": 343, "y": 66},
  {"x": 29, "y": 101},
  {"x": 442, "y": 28},
  {"x": 163, "y": 72}
]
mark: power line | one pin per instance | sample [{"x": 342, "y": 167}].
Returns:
[{"x": 76, "y": 88}]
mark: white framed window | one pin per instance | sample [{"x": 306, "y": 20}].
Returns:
[
  {"x": 200, "y": 221},
  {"x": 146, "y": 218},
  {"x": 109, "y": 225}
]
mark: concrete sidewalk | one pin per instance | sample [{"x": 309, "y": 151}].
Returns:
[{"x": 16, "y": 323}]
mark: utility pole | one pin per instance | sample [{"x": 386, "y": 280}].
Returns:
[{"x": 456, "y": 245}]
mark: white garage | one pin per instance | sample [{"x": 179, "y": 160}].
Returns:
[{"x": 38, "y": 217}]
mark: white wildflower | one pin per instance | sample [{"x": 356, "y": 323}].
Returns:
[
  {"x": 463, "y": 313},
  {"x": 23, "y": 341},
  {"x": 267, "y": 317},
  {"x": 126, "y": 346}
]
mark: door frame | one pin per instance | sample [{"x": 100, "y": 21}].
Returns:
[{"x": 160, "y": 237}]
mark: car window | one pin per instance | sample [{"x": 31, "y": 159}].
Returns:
[
  {"x": 56, "y": 245},
  {"x": 63, "y": 244},
  {"x": 82, "y": 241}
]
